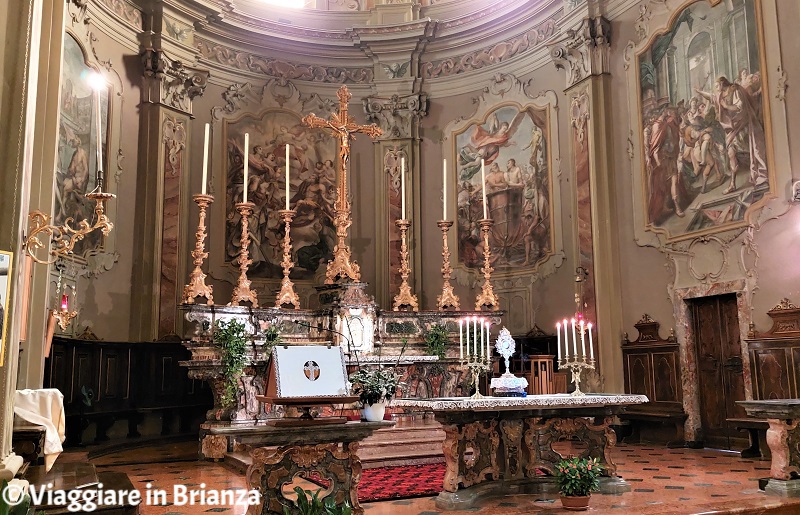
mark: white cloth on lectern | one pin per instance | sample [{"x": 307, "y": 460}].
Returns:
[{"x": 44, "y": 407}]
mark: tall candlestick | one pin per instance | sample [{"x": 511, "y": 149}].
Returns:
[
  {"x": 583, "y": 342},
  {"x": 287, "y": 177},
  {"x": 444, "y": 189},
  {"x": 574, "y": 340},
  {"x": 246, "y": 163},
  {"x": 205, "y": 159},
  {"x": 591, "y": 347},
  {"x": 483, "y": 189},
  {"x": 403, "y": 186},
  {"x": 558, "y": 332},
  {"x": 460, "y": 339}
]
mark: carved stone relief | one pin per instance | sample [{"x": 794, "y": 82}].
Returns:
[
  {"x": 174, "y": 83},
  {"x": 124, "y": 10},
  {"x": 583, "y": 51},
  {"x": 397, "y": 116}
]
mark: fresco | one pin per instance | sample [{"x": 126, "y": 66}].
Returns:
[
  {"x": 513, "y": 142},
  {"x": 702, "y": 119},
  {"x": 312, "y": 192},
  {"x": 77, "y": 144}
]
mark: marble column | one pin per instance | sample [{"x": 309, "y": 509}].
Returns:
[
  {"x": 170, "y": 85},
  {"x": 583, "y": 53}
]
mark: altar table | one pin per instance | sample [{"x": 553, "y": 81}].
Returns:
[
  {"x": 504, "y": 444},
  {"x": 783, "y": 438},
  {"x": 328, "y": 450}
]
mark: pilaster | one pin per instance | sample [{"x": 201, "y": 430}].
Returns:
[
  {"x": 583, "y": 53},
  {"x": 170, "y": 84}
]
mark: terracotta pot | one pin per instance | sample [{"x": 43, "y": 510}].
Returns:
[{"x": 575, "y": 503}]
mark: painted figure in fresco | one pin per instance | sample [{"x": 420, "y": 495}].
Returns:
[
  {"x": 513, "y": 173},
  {"x": 535, "y": 145},
  {"x": 495, "y": 179},
  {"x": 668, "y": 192},
  {"x": 738, "y": 112},
  {"x": 535, "y": 213},
  {"x": 485, "y": 143}
]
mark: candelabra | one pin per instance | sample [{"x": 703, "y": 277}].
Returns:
[
  {"x": 64, "y": 237},
  {"x": 404, "y": 300},
  {"x": 448, "y": 299},
  {"x": 487, "y": 300},
  {"x": 197, "y": 286},
  {"x": 477, "y": 365},
  {"x": 576, "y": 366},
  {"x": 242, "y": 292},
  {"x": 287, "y": 295}
]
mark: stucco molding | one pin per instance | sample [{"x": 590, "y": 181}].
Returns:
[
  {"x": 398, "y": 116},
  {"x": 172, "y": 83},
  {"x": 583, "y": 51}
]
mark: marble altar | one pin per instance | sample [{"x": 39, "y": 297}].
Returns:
[
  {"x": 783, "y": 438},
  {"x": 505, "y": 444}
]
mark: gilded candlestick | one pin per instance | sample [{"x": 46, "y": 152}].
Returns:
[
  {"x": 576, "y": 366},
  {"x": 477, "y": 365},
  {"x": 242, "y": 292},
  {"x": 404, "y": 300},
  {"x": 287, "y": 296},
  {"x": 487, "y": 300},
  {"x": 197, "y": 286},
  {"x": 448, "y": 300}
]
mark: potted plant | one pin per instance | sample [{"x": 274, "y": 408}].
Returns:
[
  {"x": 374, "y": 387},
  {"x": 231, "y": 339},
  {"x": 577, "y": 479},
  {"x": 436, "y": 340}
]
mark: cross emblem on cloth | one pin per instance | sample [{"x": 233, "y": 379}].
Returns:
[{"x": 344, "y": 127}]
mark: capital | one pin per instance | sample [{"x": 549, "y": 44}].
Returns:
[
  {"x": 170, "y": 82},
  {"x": 398, "y": 116},
  {"x": 583, "y": 51}
]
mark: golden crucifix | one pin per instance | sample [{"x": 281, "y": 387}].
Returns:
[{"x": 344, "y": 127}]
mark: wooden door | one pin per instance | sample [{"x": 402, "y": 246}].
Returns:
[{"x": 719, "y": 366}]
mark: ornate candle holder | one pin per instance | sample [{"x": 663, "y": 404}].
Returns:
[
  {"x": 576, "y": 366},
  {"x": 477, "y": 365},
  {"x": 63, "y": 317},
  {"x": 448, "y": 300},
  {"x": 404, "y": 300},
  {"x": 242, "y": 292},
  {"x": 197, "y": 286},
  {"x": 287, "y": 295},
  {"x": 487, "y": 300}
]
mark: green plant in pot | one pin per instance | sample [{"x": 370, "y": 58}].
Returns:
[
  {"x": 231, "y": 339},
  {"x": 436, "y": 340},
  {"x": 309, "y": 503},
  {"x": 577, "y": 479},
  {"x": 374, "y": 387}
]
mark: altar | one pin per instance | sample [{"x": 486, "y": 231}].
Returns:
[{"x": 505, "y": 444}]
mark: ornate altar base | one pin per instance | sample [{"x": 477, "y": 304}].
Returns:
[
  {"x": 783, "y": 438},
  {"x": 500, "y": 444}
]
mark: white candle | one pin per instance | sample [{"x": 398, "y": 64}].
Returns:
[
  {"x": 403, "y": 186},
  {"x": 558, "y": 332},
  {"x": 287, "y": 177},
  {"x": 444, "y": 189},
  {"x": 99, "y": 131},
  {"x": 483, "y": 188},
  {"x": 482, "y": 341},
  {"x": 205, "y": 159},
  {"x": 583, "y": 342},
  {"x": 475, "y": 336},
  {"x": 488, "y": 345},
  {"x": 246, "y": 163},
  {"x": 591, "y": 347},
  {"x": 566, "y": 341},
  {"x": 574, "y": 340},
  {"x": 461, "y": 339}
]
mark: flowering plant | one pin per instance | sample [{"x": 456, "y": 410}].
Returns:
[
  {"x": 376, "y": 385},
  {"x": 578, "y": 476}
]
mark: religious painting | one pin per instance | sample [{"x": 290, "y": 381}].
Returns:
[
  {"x": 5, "y": 288},
  {"x": 312, "y": 192},
  {"x": 702, "y": 114},
  {"x": 76, "y": 163},
  {"x": 513, "y": 142}
]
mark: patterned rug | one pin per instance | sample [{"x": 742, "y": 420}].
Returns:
[{"x": 401, "y": 482}]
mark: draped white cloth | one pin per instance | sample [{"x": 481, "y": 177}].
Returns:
[{"x": 44, "y": 407}]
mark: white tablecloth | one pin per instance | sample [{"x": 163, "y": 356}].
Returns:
[{"x": 44, "y": 407}]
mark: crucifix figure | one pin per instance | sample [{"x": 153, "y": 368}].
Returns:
[{"x": 344, "y": 127}]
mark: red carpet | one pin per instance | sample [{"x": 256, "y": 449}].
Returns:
[{"x": 400, "y": 482}]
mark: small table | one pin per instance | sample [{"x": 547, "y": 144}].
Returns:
[
  {"x": 783, "y": 438},
  {"x": 328, "y": 450},
  {"x": 497, "y": 444}
]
